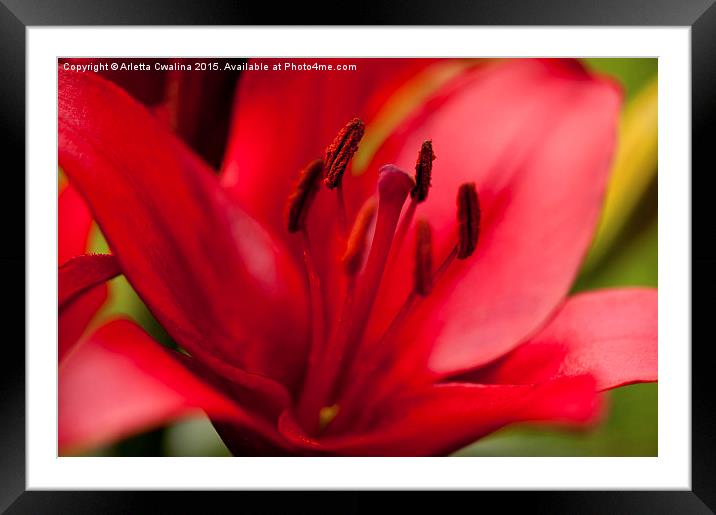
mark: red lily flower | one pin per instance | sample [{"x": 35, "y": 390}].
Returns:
[{"x": 332, "y": 332}]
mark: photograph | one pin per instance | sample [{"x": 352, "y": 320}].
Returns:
[{"x": 357, "y": 256}]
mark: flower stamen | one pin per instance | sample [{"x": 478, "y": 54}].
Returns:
[
  {"x": 318, "y": 314},
  {"x": 298, "y": 205},
  {"x": 357, "y": 241},
  {"x": 341, "y": 151},
  {"x": 383, "y": 352},
  {"x": 338, "y": 155},
  {"x": 423, "y": 175},
  {"x": 423, "y": 172},
  {"x": 393, "y": 188},
  {"x": 468, "y": 220},
  {"x": 303, "y": 194}
]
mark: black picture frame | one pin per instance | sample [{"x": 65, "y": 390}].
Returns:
[{"x": 17, "y": 15}]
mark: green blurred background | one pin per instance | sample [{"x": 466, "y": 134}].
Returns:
[{"x": 624, "y": 252}]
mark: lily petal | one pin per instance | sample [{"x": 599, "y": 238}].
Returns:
[
  {"x": 610, "y": 334},
  {"x": 81, "y": 273},
  {"x": 255, "y": 392},
  {"x": 119, "y": 381},
  {"x": 74, "y": 222},
  {"x": 148, "y": 87},
  {"x": 206, "y": 270},
  {"x": 536, "y": 136},
  {"x": 73, "y": 231},
  {"x": 75, "y": 317},
  {"x": 195, "y": 108},
  {"x": 445, "y": 417},
  {"x": 81, "y": 291}
]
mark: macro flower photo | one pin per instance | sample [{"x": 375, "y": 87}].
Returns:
[{"x": 357, "y": 257}]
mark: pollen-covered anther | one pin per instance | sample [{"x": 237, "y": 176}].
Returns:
[
  {"x": 340, "y": 152},
  {"x": 357, "y": 241},
  {"x": 302, "y": 196},
  {"x": 468, "y": 220},
  {"x": 423, "y": 172},
  {"x": 423, "y": 258}
]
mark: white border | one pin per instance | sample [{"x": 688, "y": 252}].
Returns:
[{"x": 670, "y": 470}]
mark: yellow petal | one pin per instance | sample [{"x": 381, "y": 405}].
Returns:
[{"x": 635, "y": 167}]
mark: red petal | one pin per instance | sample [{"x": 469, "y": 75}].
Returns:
[
  {"x": 73, "y": 230},
  {"x": 119, "y": 381},
  {"x": 76, "y": 316},
  {"x": 446, "y": 417},
  {"x": 74, "y": 222},
  {"x": 536, "y": 137},
  {"x": 195, "y": 107},
  {"x": 192, "y": 104},
  {"x": 207, "y": 271},
  {"x": 610, "y": 334},
  {"x": 81, "y": 291},
  {"x": 81, "y": 273},
  {"x": 283, "y": 120},
  {"x": 255, "y": 392},
  {"x": 147, "y": 86}
]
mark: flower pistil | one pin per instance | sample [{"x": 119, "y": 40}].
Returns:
[{"x": 336, "y": 346}]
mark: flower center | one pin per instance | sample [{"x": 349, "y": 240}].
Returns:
[{"x": 324, "y": 401}]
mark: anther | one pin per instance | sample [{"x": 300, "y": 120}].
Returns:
[
  {"x": 300, "y": 200},
  {"x": 468, "y": 219},
  {"x": 356, "y": 245},
  {"x": 340, "y": 152},
  {"x": 423, "y": 258},
  {"x": 423, "y": 172}
]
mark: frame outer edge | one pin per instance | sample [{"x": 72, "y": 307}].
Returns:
[
  {"x": 12, "y": 257},
  {"x": 12, "y": 131},
  {"x": 703, "y": 109}
]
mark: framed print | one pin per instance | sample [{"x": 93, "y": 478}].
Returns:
[{"x": 409, "y": 256}]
